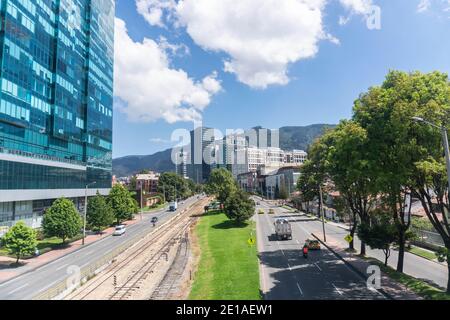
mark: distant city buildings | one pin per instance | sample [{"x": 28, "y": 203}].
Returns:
[
  {"x": 147, "y": 182},
  {"x": 56, "y": 104},
  {"x": 201, "y": 154},
  {"x": 251, "y": 156}
]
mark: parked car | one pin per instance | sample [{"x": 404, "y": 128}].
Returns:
[
  {"x": 120, "y": 230},
  {"x": 260, "y": 211},
  {"x": 271, "y": 211}
]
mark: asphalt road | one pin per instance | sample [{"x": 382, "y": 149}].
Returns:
[
  {"x": 286, "y": 275},
  {"x": 430, "y": 271},
  {"x": 34, "y": 282}
]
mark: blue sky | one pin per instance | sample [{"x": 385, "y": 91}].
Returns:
[{"x": 321, "y": 87}]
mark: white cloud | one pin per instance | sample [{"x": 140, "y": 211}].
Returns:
[
  {"x": 362, "y": 7},
  {"x": 155, "y": 11},
  {"x": 260, "y": 37},
  {"x": 160, "y": 140},
  {"x": 355, "y": 7},
  {"x": 440, "y": 5},
  {"x": 149, "y": 89},
  {"x": 424, "y": 5}
]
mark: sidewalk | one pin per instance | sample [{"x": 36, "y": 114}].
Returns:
[
  {"x": 389, "y": 287},
  {"x": 8, "y": 272}
]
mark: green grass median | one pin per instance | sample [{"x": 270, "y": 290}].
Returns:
[{"x": 228, "y": 267}]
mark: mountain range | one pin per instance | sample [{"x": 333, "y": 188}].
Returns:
[{"x": 293, "y": 137}]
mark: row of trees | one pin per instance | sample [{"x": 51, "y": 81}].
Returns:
[
  {"x": 173, "y": 186},
  {"x": 62, "y": 220},
  {"x": 382, "y": 156},
  {"x": 237, "y": 204}
]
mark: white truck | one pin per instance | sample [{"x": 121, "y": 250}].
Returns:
[
  {"x": 173, "y": 206},
  {"x": 283, "y": 229}
]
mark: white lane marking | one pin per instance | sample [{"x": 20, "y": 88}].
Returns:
[
  {"x": 338, "y": 291},
  {"x": 19, "y": 288},
  {"x": 317, "y": 266},
  {"x": 290, "y": 269},
  {"x": 62, "y": 267},
  {"x": 299, "y": 288},
  {"x": 89, "y": 252}
]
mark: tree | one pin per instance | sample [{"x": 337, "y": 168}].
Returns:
[
  {"x": 385, "y": 113},
  {"x": 380, "y": 233},
  {"x": 429, "y": 183},
  {"x": 62, "y": 220},
  {"x": 20, "y": 240},
  {"x": 99, "y": 213},
  {"x": 122, "y": 203},
  {"x": 239, "y": 207},
  {"x": 308, "y": 182},
  {"x": 221, "y": 184},
  {"x": 173, "y": 186},
  {"x": 345, "y": 149}
]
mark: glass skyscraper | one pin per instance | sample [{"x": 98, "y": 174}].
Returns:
[{"x": 56, "y": 103}]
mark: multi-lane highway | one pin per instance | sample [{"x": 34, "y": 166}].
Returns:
[
  {"x": 286, "y": 274},
  {"x": 34, "y": 282}
]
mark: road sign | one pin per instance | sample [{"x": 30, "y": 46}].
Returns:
[
  {"x": 348, "y": 238},
  {"x": 251, "y": 241}
]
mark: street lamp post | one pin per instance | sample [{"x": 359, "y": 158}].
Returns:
[
  {"x": 85, "y": 210},
  {"x": 443, "y": 130},
  {"x": 322, "y": 211}
]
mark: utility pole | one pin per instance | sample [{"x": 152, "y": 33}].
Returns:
[
  {"x": 322, "y": 211},
  {"x": 141, "y": 201}
]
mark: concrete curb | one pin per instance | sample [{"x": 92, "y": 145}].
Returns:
[{"x": 353, "y": 268}]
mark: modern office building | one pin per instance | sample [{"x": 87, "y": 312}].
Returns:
[
  {"x": 201, "y": 154},
  {"x": 56, "y": 103}
]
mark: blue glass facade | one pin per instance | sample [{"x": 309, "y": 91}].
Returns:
[{"x": 56, "y": 97}]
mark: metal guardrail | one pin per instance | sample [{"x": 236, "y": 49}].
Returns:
[
  {"x": 63, "y": 286},
  {"x": 428, "y": 237}
]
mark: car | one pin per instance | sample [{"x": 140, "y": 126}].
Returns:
[
  {"x": 260, "y": 211},
  {"x": 258, "y": 203},
  {"x": 271, "y": 211},
  {"x": 154, "y": 220},
  {"x": 312, "y": 244},
  {"x": 119, "y": 230}
]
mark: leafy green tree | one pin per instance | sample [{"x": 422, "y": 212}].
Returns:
[
  {"x": 99, "y": 213},
  {"x": 221, "y": 183},
  {"x": 430, "y": 99},
  {"x": 133, "y": 184},
  {"x": 122, "y": 203},
  {"x": 239, "y": 207},
  {"x": 173, "y": 186},
  {"x": 345, "y": 150},
  {"x": 20, "y": 240},
  {"x": 62, "y": 220},
  {"x": 385, "y": 113},
  {"x": 380, "y": 233},
  {"x": 308, "y": 182}
]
